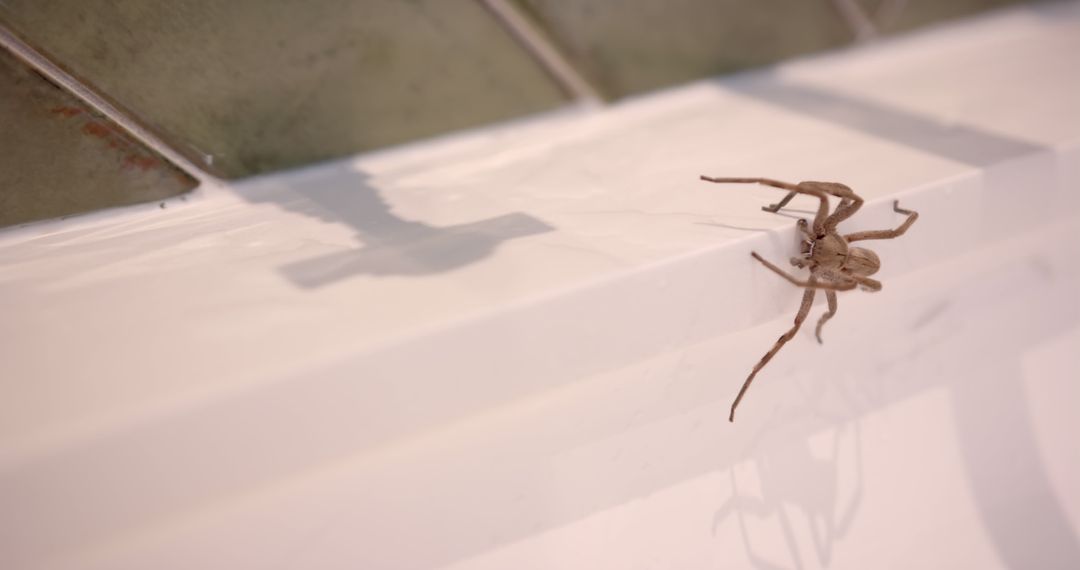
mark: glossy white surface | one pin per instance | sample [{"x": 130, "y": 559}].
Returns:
[{"x": 514, "y": 348}]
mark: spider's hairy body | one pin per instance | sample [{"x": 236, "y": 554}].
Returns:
[
  {"x": 834, "y": 264},
  {"x": 828, "y": 251}
]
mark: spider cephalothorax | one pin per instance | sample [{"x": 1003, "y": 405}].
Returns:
[{"x": 833, "y": 263}]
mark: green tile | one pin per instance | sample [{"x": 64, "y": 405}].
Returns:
[
  {"x": 260, "y": 85},
  {"x": 58, "y": 158},
  {"x": 627, "y": 46}
]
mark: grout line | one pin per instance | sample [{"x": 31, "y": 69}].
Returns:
[
  {"x": 545, "y": 53},
  {"x": 861, "y": 24},
  {"x": 38, "y": 62}
]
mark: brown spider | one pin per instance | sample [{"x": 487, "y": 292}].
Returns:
[{"x": 833, "y": 265}]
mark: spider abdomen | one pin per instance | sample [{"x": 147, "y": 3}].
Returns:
[{"x": 862, "y": 261}]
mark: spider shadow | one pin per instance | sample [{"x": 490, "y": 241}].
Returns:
[
  {"x": 389, "y": 244},
  {"x": 733, "y": 227},
  {"x": 814, "y": 496}
]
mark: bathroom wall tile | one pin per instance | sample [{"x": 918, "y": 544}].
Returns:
[
  {"x": 251, "y": 86},
  {"x": 58, "y": 158}
]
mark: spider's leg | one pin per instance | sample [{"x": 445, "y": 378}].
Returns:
[
  {"x": 850, "y": 202},
  {"x": 804, "y": 309},
  {"x": 867, "y": 283},
  {"x": 831, "y": 297},
  {"x": 887, "y": 234},
  {"x": 809, "y": 284},
  {"x": 804, "y": 228},
  {"x": 774, "y": 208},
  {"x": 765, "y": 181},
  {"x": 808, "y": 238},
  {"x": 801, "y": 188},
  {"x": 843, "y": 211}
]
